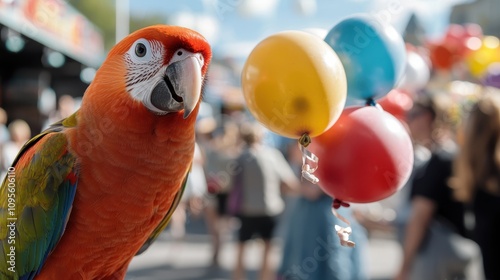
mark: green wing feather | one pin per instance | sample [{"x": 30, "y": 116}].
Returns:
[
  {"x": 166, "y": 219},
  {"x": 35, "y": 202}
]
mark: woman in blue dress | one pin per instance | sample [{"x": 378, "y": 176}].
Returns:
[{"x": 312, "y": 247}]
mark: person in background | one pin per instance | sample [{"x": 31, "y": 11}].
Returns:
[
  {"x": 20, "y": 133},
  {"x": 434, "y": 243},
  {"x": 4, "y": 132},
  {"x": 220, "y": 150},
  {"x": 255, "y": 197},
  {"x": 195, "y": 190},
  {"x": 476, "y": 178},
  {"x": 4, "y": 138},
  {"x": 312, "y": 248},
  {"x": 66, "y": 107}
]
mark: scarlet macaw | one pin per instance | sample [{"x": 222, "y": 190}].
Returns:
[{"x": 93, "y": 190}]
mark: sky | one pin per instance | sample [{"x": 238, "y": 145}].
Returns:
[{"x": 234, "y": 27}]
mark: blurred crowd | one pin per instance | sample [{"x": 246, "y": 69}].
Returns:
[
  {"x": 247, "y": 180},
  {"x": 446, "y": 218},
  {"x": 14, "y": 135}
]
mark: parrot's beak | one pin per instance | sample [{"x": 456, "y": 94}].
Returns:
[
  {"x": 190, "y": 83},
  {"x": 180, "y": 87}
]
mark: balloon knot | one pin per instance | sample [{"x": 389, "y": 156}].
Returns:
[
  {"x": 371, "y": 102},
  {"x": 305, "y": 140},
  {"x": 337, "y": 203}
]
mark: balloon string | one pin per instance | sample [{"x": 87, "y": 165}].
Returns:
[
  {"x": 309, "y": 160},
  {"x": 342, "y": 232}
]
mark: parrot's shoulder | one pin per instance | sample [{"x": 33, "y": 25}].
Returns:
[
  {"x": 69, "y": 122},
  {"x": 58, "y": 138}
]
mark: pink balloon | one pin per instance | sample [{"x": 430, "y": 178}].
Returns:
[
  {"x": 397, "y": 103},
  {"x": 473, "y": 30}
]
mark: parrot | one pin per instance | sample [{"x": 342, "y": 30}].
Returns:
[{"x": 93, "y": 190}]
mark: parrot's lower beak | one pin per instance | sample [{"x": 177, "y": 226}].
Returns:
[{"x": 180, "y": 87}]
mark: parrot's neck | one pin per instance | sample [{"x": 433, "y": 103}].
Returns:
[{"x": 129, "y": 139}]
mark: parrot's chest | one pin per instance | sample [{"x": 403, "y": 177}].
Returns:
[
  {"x": 118, "y": 205},
  {"x": 133, "y": 200}
]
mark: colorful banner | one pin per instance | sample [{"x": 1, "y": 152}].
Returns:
[{"x": 57, "y": 25}]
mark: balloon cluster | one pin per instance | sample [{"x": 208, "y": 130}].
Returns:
[
  {"x": 455, "y": 45},
  {"x": 296, "y": 84},
  {"x": 467, "y": 44},
  {"x": 367, "y": 155}
]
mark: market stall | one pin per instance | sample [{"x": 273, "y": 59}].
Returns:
[{"x": 47, "y": 49}]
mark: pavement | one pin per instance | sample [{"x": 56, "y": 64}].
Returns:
[{"x": 190, "y": 257}]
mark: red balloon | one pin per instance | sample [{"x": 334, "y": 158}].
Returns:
[
  {"x": 453, "y": 46},
  {"x": 442, "y": 55},
  {"x": 458, "y": 35},
  {"x": 397, "y": 103},
  {"x": 365, "y": 157}
]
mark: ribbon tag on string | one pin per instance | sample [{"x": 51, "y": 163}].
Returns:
[
  {"x": 309, "y": 166},
  {"x": 342, "y": 232},
  {"x": 309, "y": 160}
]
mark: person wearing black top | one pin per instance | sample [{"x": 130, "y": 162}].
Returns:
[
  {"x": 476, "y": 178},
  {"x": 431, "y": 182},
  {"x": 434, "y": 246}
]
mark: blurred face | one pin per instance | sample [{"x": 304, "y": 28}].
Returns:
[
  {"x": 420, "y": 124},
  {"x": 21, "y": 135},
  {"x": 67, "y": 104}
]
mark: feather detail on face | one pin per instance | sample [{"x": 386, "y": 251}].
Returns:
[{"x": 143, "y": 62}]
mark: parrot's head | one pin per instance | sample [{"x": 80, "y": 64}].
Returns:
[{"x": 161, "y": 68}]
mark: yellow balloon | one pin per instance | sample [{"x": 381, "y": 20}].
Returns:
[
  {"x": 294, "y": 84},
  {"x": 479, "y": 60}
]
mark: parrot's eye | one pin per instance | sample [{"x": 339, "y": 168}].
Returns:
[
  {"x": 140, "y": 50},
  {"x": 144, "y": 51}
]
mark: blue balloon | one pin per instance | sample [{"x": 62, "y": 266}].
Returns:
[{"x": 373, "y": 54}]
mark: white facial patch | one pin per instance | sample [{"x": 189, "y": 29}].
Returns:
[
  {"x": 145, "y": 67},
  {"x": 162, "y": 88}
]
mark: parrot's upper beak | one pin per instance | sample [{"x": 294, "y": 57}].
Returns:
[{"x": 180, "y": 87}]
